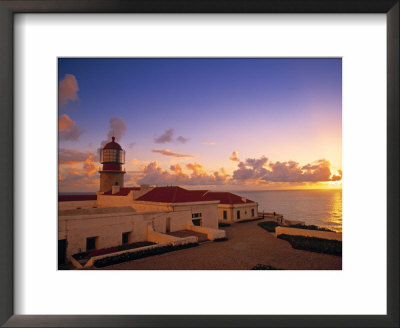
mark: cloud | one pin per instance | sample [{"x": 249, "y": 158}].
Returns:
[
  {"x": 138, "y": 163},
  {"x": 234, "y": 157},
  {"x": 116, "y": 129},
  {"x": 77, "y": 170},
  {"x": 165, "y": 137},
  {"x": 182, "y": 139},
  {"x": 208, "y": 143},
  {"x": 196, "y": 168},
  {"x": 168, "y": 135},
  {"x": 167, "y": 152},
  {"x": 64, "y": 122},
  {"x": 131, "y": 144},
  {"x": 90, "y": 166},
  {"x": 68, "y": 130},
  {"x": 154, "y": 175},
  {"x": 71, "y": 156},
  {"x": 72, "y": 178},
  {"x": 67, "y": 90},
  {"x": 290, "y": 171},
  {"x": 177, "y": 169},
  {"x": 337, "y": 176}
]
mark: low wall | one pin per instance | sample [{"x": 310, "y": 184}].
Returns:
[
  {"x": 161, "y": 238},
  {"x": 76, "y": 263},
  {"x": 71, "y": 205},
  {"x": 292, "y": 222},
  {"x": 211, "y": 233},
  {"x": 91, "y": 261},
  {"x": 280, "y": 219},
  {"x": 177, "y": 241},
  {"x": 271, "y": 216},
  {"x": 308, "y": 233}
]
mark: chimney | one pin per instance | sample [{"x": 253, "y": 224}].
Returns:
[
  {"x": 115, "y": 189},
  {"x": 144, "y": 187},
  {"x": 244, "y": 199}
]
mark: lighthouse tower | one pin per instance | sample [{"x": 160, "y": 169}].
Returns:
[{"x": 112, "y": 156}]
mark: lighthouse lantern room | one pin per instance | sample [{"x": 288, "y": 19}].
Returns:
[{"x": 112, "y": 157}]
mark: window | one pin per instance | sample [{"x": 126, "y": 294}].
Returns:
[
  {"x": 196, "y": 215},
  {"x": 197, "y": 222},
  {"x": 252, "y": 212},
  {"x": 238, "y": 215},
  {"x": 225, "y": 215},
  {"x": 91, "y": 243},
  {"x": 126, "y": 238}
]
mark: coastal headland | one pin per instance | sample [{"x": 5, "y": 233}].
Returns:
[{"x": 248, "y": 245}]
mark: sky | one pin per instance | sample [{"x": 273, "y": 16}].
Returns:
[{"x": 223, "y": 124}]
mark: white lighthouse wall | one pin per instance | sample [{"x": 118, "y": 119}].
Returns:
[{"x": 108, "y": 179}]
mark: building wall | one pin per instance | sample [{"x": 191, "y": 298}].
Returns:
[
  {"x": 110, "y": 227},
  {"x": 209, "y": 212},
  {"x": 245, "y": 212},
  {"x": 77, "y": 204},
  {"x": 114, "y": 201},
  {"x": 108, "y": 179},
  {"x": 141, "y": 206},
  {"x": 228, "y": 209}
]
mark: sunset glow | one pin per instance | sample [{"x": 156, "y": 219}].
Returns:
[{"x": 226, "y": 124}]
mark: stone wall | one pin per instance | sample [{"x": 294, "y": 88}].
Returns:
[{"x": 308, "y": 233}]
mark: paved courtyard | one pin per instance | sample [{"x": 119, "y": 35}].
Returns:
[{"x": 248, "y": 245}]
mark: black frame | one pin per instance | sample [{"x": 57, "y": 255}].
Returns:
[{"x": 7, "y": 10}]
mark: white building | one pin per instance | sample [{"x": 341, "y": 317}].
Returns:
[
  {"x": 233, "y": 208},
  {"x": 119, "y": 215}
]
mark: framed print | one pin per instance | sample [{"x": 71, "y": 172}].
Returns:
[{"x": 128, "y": 78}]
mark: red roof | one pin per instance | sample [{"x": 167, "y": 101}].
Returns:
[
  {"x": 112, "y": 145},
  {"x": 76, "y": 198},
  {"x": 122, "y": 191},
  {"x": 226, "y": 198},
  {"x": 173, "y": 194}
]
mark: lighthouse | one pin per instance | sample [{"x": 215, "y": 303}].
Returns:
[{"x": 112, "y": 157}]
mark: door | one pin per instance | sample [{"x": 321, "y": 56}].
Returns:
[
  {"x": 168, "y": 227},
  {"x": 62, "y": 251}
]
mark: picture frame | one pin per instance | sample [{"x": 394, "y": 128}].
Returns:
[{"x": 7, "y": 10}]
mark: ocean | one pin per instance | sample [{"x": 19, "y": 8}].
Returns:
[{"x": 317, "y": 207}]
